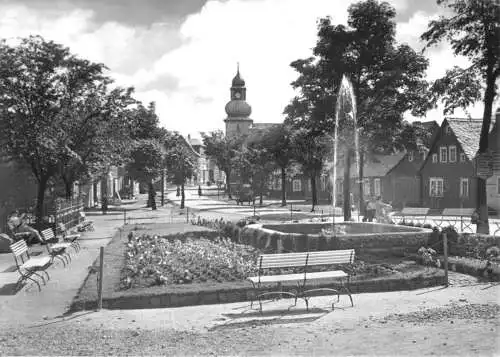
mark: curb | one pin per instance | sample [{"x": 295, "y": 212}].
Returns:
[{"x": 159, "y": 298}]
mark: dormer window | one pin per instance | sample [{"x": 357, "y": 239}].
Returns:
[
  {"x": 462, "y": 157},
  {"x": 410, "y": 156},
  {"x": 448, "y": 130},
  {"x": 443, "y": 154},
  {"x": 452, "y": 153},
  {"x": 434, "y": 158}
]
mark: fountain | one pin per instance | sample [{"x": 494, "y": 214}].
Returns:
[{"x": 338, "y": 235}]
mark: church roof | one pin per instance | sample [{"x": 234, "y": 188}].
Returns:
[
  {"x": 238, "y": 109},
  {"x": 238, "y": 81}
]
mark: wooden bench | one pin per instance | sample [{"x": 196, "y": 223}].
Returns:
[
  {"x": 302, "y": 261},
  {"x": 69, "y": 237},
  {"x": 28, "y": 266},
  {"x": 56, "y": 250},
  {"x": 452, "y": 216},
  {"x": 84, "y": 224},
  {"x": 414, "y": 212}
]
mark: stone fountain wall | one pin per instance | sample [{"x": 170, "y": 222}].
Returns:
[{"x": 273, "y": 241}]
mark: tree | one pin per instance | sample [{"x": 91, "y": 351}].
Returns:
[
  {"x": 310, "y": 152},
  {"x": 180, "y": 160},
  {"x": 222, "y": 150},
  {"x": 473, "y": 30},
  {"x": 277, "y": 140},
  {"x": 34, "y": 98},
  {"x": 387, "y": 79},
  {"x": 146, "y": 165}
]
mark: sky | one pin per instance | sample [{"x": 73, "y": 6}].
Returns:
[{"x": 183, "y": 54}]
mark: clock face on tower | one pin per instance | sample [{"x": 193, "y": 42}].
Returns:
[{"x": 237, "y": 95}]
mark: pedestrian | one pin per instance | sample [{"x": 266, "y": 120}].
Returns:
[
  {"x": 199, "y": 190},
  {"x": 370, "y": 210}
]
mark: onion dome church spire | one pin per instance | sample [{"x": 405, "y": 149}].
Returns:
[{"x": 238, "y": 111}]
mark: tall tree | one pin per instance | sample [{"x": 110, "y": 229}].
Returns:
[
  {"x": 473, "y": 30},
  {"x": 146, "y": 165},
  {"x": 181, "y": 162},
  {"x": 277, "y": 140},
  {"x": 34, "y": 97},
  {"x": 387, "y": 78},
  {"x": 310, "y": 152},
  {"x": 222, "y": 150}
]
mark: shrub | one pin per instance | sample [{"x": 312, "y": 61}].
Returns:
[{"x": 428, "y": 226}]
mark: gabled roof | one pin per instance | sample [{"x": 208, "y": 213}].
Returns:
[
  {"x": 378, "y": 166},
  {"x": 467, "y": 131}
]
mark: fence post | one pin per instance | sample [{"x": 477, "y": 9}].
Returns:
[
  {"x": 101, "y": 275},
  {"x": 187, "y": 214},
  {"x": 291, "y": 214},
  {"x": 124, "y": 216},
  {"x": 445, "y": 251}
]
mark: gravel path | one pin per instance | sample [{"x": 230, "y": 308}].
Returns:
[{"x": 459, "y": 320}]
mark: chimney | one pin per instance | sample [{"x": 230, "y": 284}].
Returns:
[{"x": 189, "y": 137}]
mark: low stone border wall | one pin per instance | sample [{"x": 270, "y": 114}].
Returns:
[
  {"x": 275, "y": 241},
  {"x": 235, "y": 292}
]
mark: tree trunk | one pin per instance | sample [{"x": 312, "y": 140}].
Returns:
[
  {"x": 261, "y": 192},
  {"x": 283, "y": 187},
  {"x": 483, "y": 225},
  {"x": 228, "y": 185},
  {"x": 151, "y": 195},
  {"x": 68, "y": 186},
  {"x": 183, "y": 196},
  {"x": 42, "y": 186},
  {"x": 104, "y": 195},
  {"x": 96, "y": 197},
  {"x": 313, "y": 191},
  {"x": 361, "y": 192},
  {"x": 347, "y": 188}
]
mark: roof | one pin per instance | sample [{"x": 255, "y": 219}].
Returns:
[
  {"x": 378, "y": 166},
  {"x": 467, "y": 132},
  {"x": 263, "y": 126},
  {"x": 195, "y": 142}
]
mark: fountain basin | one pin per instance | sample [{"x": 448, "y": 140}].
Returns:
[{"x": 302, "y": 237}]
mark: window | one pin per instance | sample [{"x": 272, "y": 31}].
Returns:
[
  {"x": 366, "y": 187},
  {"x": 464, "y": 187},
  {"x": 436, "y": 187},
  {"x": 452, "y": 155},
  {"x": 448, "y": 130},
  {"x": 443, "y": 154},
  {"x": 462, "y": 157},
  {"x": 340, "y": 186},
  {"x": 410, "y": 156},
  {"x": 498, "y": 185},
  {"x": 434, "y": 158},
  {"x": 278, "y": 184},
  {"x": 297, "y": 185},
  {"x": 376, "y": 186}
]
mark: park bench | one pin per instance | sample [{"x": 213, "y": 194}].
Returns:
[
  {"x": 69, "y": 237},
  {"x": 415, "y": 213},
  {"x": 451, "y": 216},
  {"x": 302, "y": 262},
  {"x": 28, "y": 266},
  {"x": 56, "y": 250},
  {"x": 85, "y": 225}
]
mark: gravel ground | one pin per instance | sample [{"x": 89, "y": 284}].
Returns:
[{"x": 445, "y": 331}]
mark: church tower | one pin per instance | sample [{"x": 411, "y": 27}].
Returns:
[{"x": 238, "y": 111}]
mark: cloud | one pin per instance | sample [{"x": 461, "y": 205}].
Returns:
[{"x": 186, "y": 63}]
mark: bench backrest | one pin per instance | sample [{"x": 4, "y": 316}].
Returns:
[
  {"x": 415, "y": 211},
  {"x": 288, "y": 260},
  {"x": 18, "y": 249},
  {"x": 458, "y": 212},
  {"x": 48, "y": 234}
]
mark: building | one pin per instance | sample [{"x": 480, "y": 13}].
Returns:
[
  {"x": 493, "y": 183},
  {"x": 447, "y": 174}
]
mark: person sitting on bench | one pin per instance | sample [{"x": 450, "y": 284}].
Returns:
[{"x": 17, "y": 224}]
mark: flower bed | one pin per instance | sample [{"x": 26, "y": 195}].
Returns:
[
  {"x": 154, "y": 260},
  {"x": 173, "y": 260}
]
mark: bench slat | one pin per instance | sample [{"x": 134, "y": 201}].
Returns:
[
  {"x": 329, "y": 261},
  {"x": 458, "y": 212},
  {"x": 415, "y": 211},
  {"x": 48, "y": 234},
  {"x": 19, "y": 248}
]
